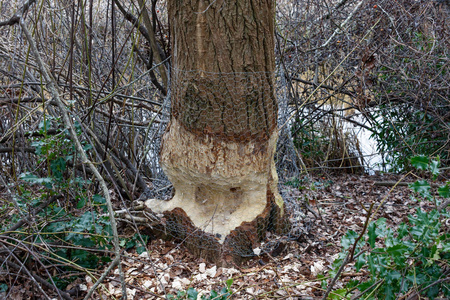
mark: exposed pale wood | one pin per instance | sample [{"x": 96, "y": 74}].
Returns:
[
  {"x": 238, "y": 245},
  {"x": 218, "y": 184}
]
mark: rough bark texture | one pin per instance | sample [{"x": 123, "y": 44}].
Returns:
[
  {"x": 223, "y": 56},
  {"x": 219, "y": 146}
]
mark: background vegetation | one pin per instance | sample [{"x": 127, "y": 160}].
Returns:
[{"x": 343, "y": 67}]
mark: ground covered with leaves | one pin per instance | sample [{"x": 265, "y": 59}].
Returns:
[
  {"x": 296, "y": 269},
  {"x": 298, "y": 266}
]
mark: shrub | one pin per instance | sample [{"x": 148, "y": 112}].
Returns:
[{"x": 410, "y": 259}]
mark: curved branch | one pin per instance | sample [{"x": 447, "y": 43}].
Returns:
[
  {"x": 52, "y": 86},
  {"x": 18, "y": 15},
  {"x": 147, "y": 31}
]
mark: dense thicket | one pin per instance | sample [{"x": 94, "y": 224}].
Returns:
[{"x": 381, "y": 66}]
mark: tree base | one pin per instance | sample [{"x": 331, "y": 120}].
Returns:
[{"x": 231, "y": 250}]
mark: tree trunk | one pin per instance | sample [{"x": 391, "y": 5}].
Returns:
[{"x": 218, "y": 148}]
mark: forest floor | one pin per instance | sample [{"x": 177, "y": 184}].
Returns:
[{"x": 336, "y": 204}]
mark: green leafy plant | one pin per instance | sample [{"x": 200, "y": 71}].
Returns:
[
  {"x": 78, "y": 227},
  {"x": 412, "y": 258},
  {"x": 135, "y": 242},
  {"x": 87, "y": 231},
  {"x": 310, "y": 139},
  {"x": 54, "y": 153},
  {"x": 402, "y": 131}
]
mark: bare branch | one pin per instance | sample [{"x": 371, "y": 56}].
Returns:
[
  {"x": 18, "y": 15},
  {"x": 51, "y": 84}
]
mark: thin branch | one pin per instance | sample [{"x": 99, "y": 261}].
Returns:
[
  {"x": 51, "y": 84},
  {"x": 18, "y": 135},
  {"x": 332, "y": 72},
  {"x": 328, "y": 87},
  {"x": 22, "y": 100},
  {"x": 147, "y": 31},
  {"x": 27, "y": 218},
  {"x": 113, "y": 264},
  {"x": 348, "y": 119},
  {"x": 339, "y": 29},
  {"x": 36, "y": 278},
  {"x": 18, "y": 15},
  {"x": 333, "y": 281},
  {"x": 352, "y": 252},
  {"x": 17, "y": 149}
]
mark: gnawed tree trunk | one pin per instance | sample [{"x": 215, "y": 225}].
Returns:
[{"x": 219, "y": 146}]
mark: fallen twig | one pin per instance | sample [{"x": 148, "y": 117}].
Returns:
[
  {"x": 36, "y": 278},
  {"x": 395, "y": 183}
]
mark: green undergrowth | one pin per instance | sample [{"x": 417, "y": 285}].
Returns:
[
  {"x": 69, "y": 229},
  {"x": 409, "y": 259}
]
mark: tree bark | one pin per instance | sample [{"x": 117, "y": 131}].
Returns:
[{"x": 218, "y": 148}]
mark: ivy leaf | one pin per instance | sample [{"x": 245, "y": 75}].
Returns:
[
  {"x": 372, "y": 265},
  {"x": 433, "y": 291},
  {"x": 388, "y": 291},
  {"x": 445, "y": 247},
  {"x": 33, "y": 179},
  {"x": 365, "y": 285},
  {"x": 224, "y": 293},
  {"x": 338, "y": 294},
  {"x": 434, "y": 168},
  {"x": 360, "y": 262},
  {"x": 372, "y": 234},
  {"x": 349, "y": 239},
  {"x": 229, "y": 283},
  {"x": 86, "y": 219},
  {"x": 420, "y": 162},
  {"x": 87, "y": 147},
  {"x": 444, "y": 191},
  {"x": 381, "y": 227},
  {"x": 397, "y": 250},
  {"x": 402, "y": 230},
  {"x": 81, "y": 203},
  {"x": 422, "y": 187},
  {"x": 57, "y": 227},
  {"x": 393, "y": 275},
  {"x": 58, "y": 166},
  {"x": 44, "y": 125},
  {"x": 98, "y": 199},
  {"x": 192, "y": 294}
]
